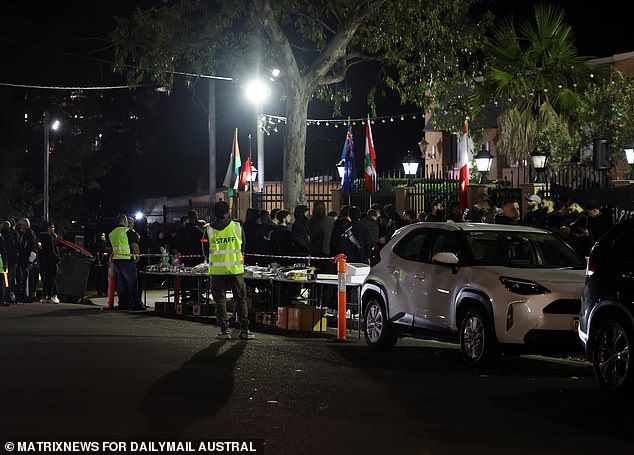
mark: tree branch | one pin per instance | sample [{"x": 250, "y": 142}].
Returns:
[
  {"x": 335, "y": 48},
  {"x": 279, "y": 39}
]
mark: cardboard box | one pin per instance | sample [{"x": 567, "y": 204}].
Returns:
[
  {"x": 282, "y": 318},
  {"x": 302, "y": 319},
  {"x": 265, "y": 317},
  {"x": 184, "y": 309}
]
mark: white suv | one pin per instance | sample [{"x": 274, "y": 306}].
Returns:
[{"x": 491, "y": 287}]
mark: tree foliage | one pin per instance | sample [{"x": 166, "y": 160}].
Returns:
[
  {"x": 608, "y": 110},
  {"x": 533, "y": 72},
  {"x": 418, "y": 48}
]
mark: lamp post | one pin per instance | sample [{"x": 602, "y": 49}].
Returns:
[
  {"x": 252, "y": 178},
  {"x": 48, "y": 126},
  {"x": 422, "y": 145},
  {"x": 410, "y": 166},
  {"x": 341, "y": 168},
  {"x": 257, "y": 92},
  {"x": 483, "y": 160},
  {"x": 629, "y": 156},
  {"x": 539, "y": 160}
]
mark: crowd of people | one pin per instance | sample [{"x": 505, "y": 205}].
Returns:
[
  {"x": 275, "y": 236},
  {"x": 577, "y": 225},
  {"x": 24, "y": 257}
]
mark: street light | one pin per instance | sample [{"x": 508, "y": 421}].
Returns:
[
  {"x": 410, "y": 166},
  {"x": 629, "y": 156},
  {"x": 341, "y": 168},
  {"x": 422, "y": 145},
  {"x": 539, "y": 160},
  {"x": 48, "y": 126},
  {"x": 483, "y": 160},
  {"x": 257, "y": 92}
]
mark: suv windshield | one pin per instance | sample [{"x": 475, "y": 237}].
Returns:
[{"x": 521, "y": 249}]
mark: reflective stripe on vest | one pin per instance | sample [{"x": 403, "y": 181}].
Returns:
[
  {"x": 225, "y": 252},
  {"x": 119, "y": 241}
]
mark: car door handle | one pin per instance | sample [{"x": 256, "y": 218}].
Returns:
[{"x": 419, "y": 276}]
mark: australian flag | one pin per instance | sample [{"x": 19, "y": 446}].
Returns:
[{"x": 347, "y": 156}]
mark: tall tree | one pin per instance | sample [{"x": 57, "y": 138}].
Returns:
[
  {"x": 533, "y": 72},
  {"x": 420, "y": 47}
]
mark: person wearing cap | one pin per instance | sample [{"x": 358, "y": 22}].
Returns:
[
  {"x": 599, "y": 221},
  {"x": 226, "y": 267},
  {"x": 124, "y": 242},
  {"x": 533, "y": 212}
]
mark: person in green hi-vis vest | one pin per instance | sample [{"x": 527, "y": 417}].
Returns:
[{"x": 226, "y": 267}]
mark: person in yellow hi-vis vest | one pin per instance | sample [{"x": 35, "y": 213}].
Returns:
[
  {"x": 226, "y": 267},
  {"x": 125, "y": 254}
]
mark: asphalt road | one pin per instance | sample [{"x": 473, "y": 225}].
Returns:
[{"x": 79, "y": 372}]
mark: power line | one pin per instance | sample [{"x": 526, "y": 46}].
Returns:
[
  {"x": 101, "y": 60},
  {"x": 49, "y": 87}
]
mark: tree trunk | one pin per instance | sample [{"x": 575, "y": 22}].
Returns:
[{"x": 295, "y": 146}]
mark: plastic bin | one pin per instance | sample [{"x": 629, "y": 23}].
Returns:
[{"x": 72, "y": 277}]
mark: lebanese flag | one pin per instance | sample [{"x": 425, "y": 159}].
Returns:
[
  {"x": 245, "y": 175},
  {"x": 465, "y": 154},
  {"x": 371, "y": 179}
]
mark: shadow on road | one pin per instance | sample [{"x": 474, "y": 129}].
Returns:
[
  {"x": 541, "y": 392},
  {"x": 199, "y": 388}
]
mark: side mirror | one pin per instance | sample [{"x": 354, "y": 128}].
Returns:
[
  {"x": 445, "y": 259},
  {"x": 448, "y": 259}
]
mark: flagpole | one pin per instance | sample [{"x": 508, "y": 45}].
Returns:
[{"x": 250, "y": 176}]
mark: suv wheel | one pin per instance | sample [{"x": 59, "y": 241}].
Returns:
[
  {"x": 477, "y": 340},
  {"x": 610, "y": 355},
  {"x": 378, "y": 333}
]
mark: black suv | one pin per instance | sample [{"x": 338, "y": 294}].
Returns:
[{"x": 606, "y": 323}]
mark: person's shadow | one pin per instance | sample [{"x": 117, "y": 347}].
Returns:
[{"x": 198, "y": 389}]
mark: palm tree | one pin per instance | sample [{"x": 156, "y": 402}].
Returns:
[{"x": 533, "y": 73}]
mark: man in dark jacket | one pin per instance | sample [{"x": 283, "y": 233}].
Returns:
[
  {"x": 27, "y": 258},
  {"x": 320, "y": 227},
  {"x": 250, "y": 226},
  {"x": 370, "y": 220},
  {"x": 282, "y": 240},
  {"x": 338, "y": 243},
  {"x": 265, "y": 227},
  {"x": 48, "y": 258},
  {"x": 363, "y": 236},
  {"x": 300, "y": 230}
]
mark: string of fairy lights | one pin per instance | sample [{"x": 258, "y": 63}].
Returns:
[{"x": 271, "y": 123}]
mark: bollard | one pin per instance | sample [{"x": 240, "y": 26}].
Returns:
[
  {"x": 111, "y": 282},
  {"x": 341, "y": 307}
]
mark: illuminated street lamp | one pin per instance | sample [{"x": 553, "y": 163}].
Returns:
[
  {"x": 257, "y": 92},
  {"x": 539, "y": 160},
  {"x": 410, "y": 166},
  {"x": 48, "y": 126},
  {"x": 483, "y": 160},
  {"x": 341, "y": 168}
]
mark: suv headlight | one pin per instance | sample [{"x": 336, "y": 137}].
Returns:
[{"x": 523, "y": 287}]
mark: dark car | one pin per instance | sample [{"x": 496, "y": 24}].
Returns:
[{"x": 606, "y": 322}]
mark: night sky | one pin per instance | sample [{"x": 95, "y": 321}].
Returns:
[{"x": 65, "y": 43}]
